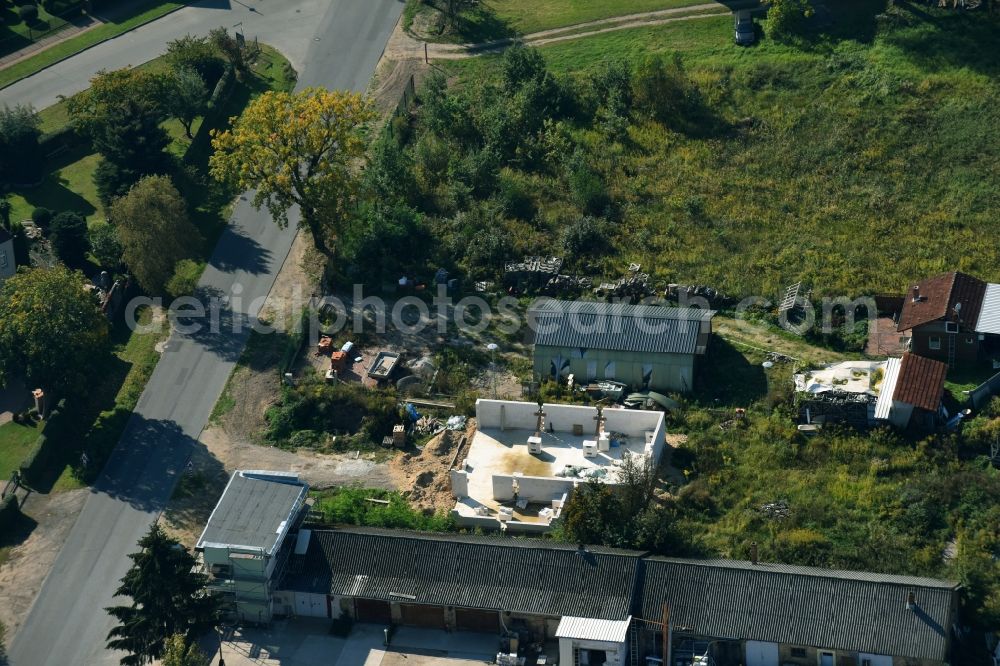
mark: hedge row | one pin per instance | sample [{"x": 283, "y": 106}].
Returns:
[
  {"x": 47, "y": 447},
  {"x": 63, "y": 138},
  {"x": 9, "y": 512}
]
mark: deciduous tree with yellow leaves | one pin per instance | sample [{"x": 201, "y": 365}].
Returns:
[{"x": 297, "y": 149}]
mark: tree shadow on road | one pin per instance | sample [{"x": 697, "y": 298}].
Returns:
[
  {"x": 146, "y": 464},
  {"x": 239, "y": 252}
]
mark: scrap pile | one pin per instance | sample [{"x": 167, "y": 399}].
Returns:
[
  {"x": 688, "y": 291},
  {"x": 531, "y": 274},
  {"x": 855, "y": 409},
  {"x": 633, "y": 285}
]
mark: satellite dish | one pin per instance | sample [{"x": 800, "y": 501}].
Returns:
[
  {"x": 768, "y": 364},
  {"x": 493, "y": 346}
]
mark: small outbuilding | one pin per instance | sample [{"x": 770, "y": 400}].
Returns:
[{"x": 648, "y": 347}]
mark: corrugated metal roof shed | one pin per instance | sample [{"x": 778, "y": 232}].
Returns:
[
  {"x": 589, "y": 629},
  {"x": 884, "y": 404},
  {"x": 920, "y": 382},
  {"x": 840, "y": 610},
  {"x": 617, "y": 326},
  {"x": 255, "y": 510},
  {"x": 989, "y": 315},
  {"x": 539, "y": 578}
]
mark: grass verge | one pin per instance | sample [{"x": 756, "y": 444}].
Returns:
[
  {"x": 16, "y": 441},
  {"x": 144, "y": 13}
]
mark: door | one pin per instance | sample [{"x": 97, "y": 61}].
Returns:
[
  {"x": 609, "y": 370},
  {"x": 422, "y": 616},
  {"x": 760, "y": 653},
  {"x": 468, "y": 619},
  {"x": 826, "y": 659},
  {"x": 369, "y": 610},
  {"x": 591, "y": 370}
]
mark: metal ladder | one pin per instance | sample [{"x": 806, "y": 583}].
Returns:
[
  {"x": 951, "y": 349},
  {"x": 633, "y": 647}
]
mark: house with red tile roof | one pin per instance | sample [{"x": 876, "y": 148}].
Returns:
[
  {"x": 911, "y": 392},
  {"x": 952, "y": 317}
]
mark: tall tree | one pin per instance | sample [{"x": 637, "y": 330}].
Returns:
[
  {"x": 95, "y": 109},
  {"x": 133, "y": 145},
  {"x": 187, "y": 98},
  {"x": 196, "y": 53},
  {"x": 50, "y": 328},
  {"x": 20, "y": 157},
  {"x": 154, "y": 231},
  {"x": 297, "y": 149},
  {"x": 168, "y": 598},
  {"x": 68, "y": 233}
]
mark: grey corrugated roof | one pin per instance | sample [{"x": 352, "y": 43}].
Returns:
[
  {"x": 539, "y": 578},
  {"x": 617, "y": 326},
  {"x": 255, "y": 510},
  {"x": 840, "y": 610},
  {"x": 989, "y": 315}
]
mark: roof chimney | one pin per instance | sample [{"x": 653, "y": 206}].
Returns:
[
  {"x": 753, "y": 552},
  {"x": 911, "y": 600},
  {"x": 916, "y": 293}
]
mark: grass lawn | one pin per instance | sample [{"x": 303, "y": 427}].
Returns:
[
  {"x": 495, "y": 19},
  {"x": 140, "y": 14},
  {"x": 527, "y": 16},
  {"x": 68, "y": 186},
  {"x": 15, "y": 443},
  {"x": 833, "y": 162}
]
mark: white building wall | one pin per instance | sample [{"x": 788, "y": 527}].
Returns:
[{"x": 617, "y": 653}]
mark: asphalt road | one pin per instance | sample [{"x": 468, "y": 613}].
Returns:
[
  {"x": 66, "y": 625},
  {"x": 291, "y": 26}
]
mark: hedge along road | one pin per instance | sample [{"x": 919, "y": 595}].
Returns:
[
  {"x": 66, "y": 625},
  {"x": 291, "y": 26}
]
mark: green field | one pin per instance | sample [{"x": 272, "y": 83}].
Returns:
[
  {"x": 139, "y": 14},
  {"x": 527, "y": 16},
  {"x": 856, "y": 162},
  {"x": 15, "y": 443}
]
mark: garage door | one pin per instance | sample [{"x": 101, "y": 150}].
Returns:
[
  {"x": 422, "y": 616},
  {"x": 762, "y": 654},
  {"x": 467, "y": 619},
  {"x": 368, "y": 610}
]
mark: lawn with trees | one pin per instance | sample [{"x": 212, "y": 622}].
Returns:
[{"x": 120, "y": 141}]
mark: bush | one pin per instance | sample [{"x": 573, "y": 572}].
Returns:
[
  {"x": 663, "y": 90},
  {"x": 586, "y": 186},
  {"x": 185, "y": 279},
  {"x": 113, "y": 181},
  {"x": 587, "y": 235},
  {"x": 42, "y": 217},
  {"x": 105, "y": 247},
  {"x": 28, "y": 13},
  {"x": 69, "y": 237}
]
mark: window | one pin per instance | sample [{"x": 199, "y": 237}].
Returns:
[
  {"x": 866, "y": 662},
  {"x": 798, "y": 652},
  {"x": 951, "y": 327},
  {"x": 934, "y": 342}
]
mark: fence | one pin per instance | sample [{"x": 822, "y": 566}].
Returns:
[
  {"x": 403, "y": 107},
  {"x": 980, "y": 395}
]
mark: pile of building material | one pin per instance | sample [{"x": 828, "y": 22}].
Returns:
[{"x": 634, "y": 285}]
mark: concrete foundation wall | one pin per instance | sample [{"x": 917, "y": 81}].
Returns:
[
  {"x": 531, "y": 488},
  {"x": 509, "y": 415},
  {"x": 488, "y": 523}
]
